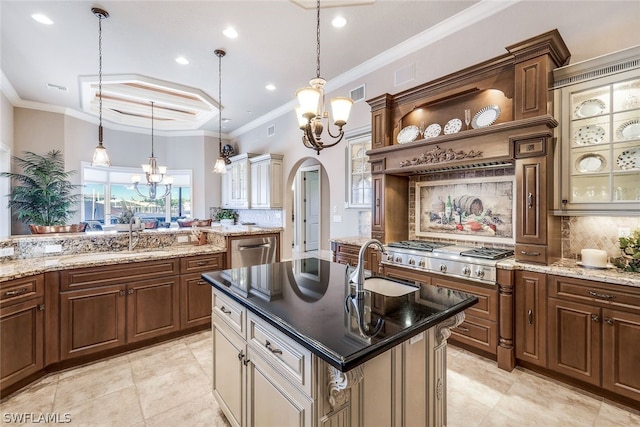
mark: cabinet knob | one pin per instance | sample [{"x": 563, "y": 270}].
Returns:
[
  {"x": 608, "y": 321},
  {"x": 530, "y": 317},
  {"x": 201, "y": 282},
  {"x": 241, "y": 355},
  {"x": 595, "y": 318},
  {"x": 130, "y": 291},
  {"x": 122, "y": 293}
]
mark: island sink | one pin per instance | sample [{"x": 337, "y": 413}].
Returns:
[{"x": 387, "y": 287}]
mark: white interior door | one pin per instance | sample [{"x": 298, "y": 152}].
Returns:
[
  {"x": 311, "y": 202},
  {"x": 5, "y": 188}
]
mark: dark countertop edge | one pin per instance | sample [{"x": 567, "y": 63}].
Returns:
[{"x": 340, "y": 363}]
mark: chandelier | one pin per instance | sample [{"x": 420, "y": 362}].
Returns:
[
  {"x": 155, "y": 174},
  {"x": 100, "y": 156},
  {"x": 311, "y": 110},
  {"x": 221, "y": 163}
]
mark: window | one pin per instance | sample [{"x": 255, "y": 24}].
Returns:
[
  {"x": 359, "y": 172},
  {"x": 107, "y": 192}
]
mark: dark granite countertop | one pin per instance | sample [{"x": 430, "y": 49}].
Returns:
[{"x": 305, "y": 299}]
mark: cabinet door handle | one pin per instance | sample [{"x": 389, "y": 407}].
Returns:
[
  {"x": 530, "y": 200},
  {"x": 246, "y": 361},
  {"x": 122, "y": 293},
  {"x": 608, "y": 321},
  {"x": 224, "y": 310},
  {"x": 604, "y": 296},
  {"x": 530, "y": 317},
  {"x": 530, "y": 253},
  {"x": 271, "y": 349},
  {"x": 16, "y": 292},
  {"x": 462, "y": 328},
  {"x": 201, "y": 282},
  {"x": 130, "y": 291},
  {"x": 202, "y": 262},
  {"x": 41, "y": 307},
  {"x": 241, "y": 355},
  {"x": 377, "y": 202},
  {"x": 595, "y": 318}
]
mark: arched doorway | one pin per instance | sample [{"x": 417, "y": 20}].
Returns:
[{"x": 306, "y": 207}]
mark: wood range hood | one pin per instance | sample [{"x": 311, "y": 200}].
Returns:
[{"x": 518, "y": 83}]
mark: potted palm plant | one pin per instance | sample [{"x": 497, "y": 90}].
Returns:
[{"x": 42, "y": 195}]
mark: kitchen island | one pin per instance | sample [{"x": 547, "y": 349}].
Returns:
[{"x": 288, "y": 352}]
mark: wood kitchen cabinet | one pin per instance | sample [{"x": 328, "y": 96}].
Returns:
[
  {"x": 21, "y": 329},
  {"x": 390, "y": 205},
  {"x": 531, "y": 317},
  {"x": 195, "y": 293},
  {"x": 347, "y": 254},
  {"x": 537, "y": 231},
  {"x": 593, "y": 331},
  {"x": 103, "y": 308},
  {"x": 267, "y": 181}
]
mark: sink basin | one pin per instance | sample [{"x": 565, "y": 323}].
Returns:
[{"x": 388, "y": 288}]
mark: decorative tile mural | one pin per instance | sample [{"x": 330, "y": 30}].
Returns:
[{"x": 470, "y": 209}]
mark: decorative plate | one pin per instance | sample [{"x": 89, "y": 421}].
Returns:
[
  {"x": 485, "y": 117},
  {"x": 590, "y": 163},
  {"x": 408, "y": 134},
  {"x": 629, "y": 159},
  {"x": 629, "y": 130},
  {"x": 579, "y": 263},
  {"x": 590, "y": 108},
  {"x": 432, "y": 130},
  {"x": 453, "y": 126},
  {"x": 588, "y": 135}
]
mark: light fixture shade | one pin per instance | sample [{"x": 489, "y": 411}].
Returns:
[
  {"x": 162, "y": 170},
  {"x": 302, "y": 120},
  {"x": 168, "y": 180},
  {"x": 146, "y": 168},
  {"x": 136, "y": 178},
  {"x": 220, "y": 166},
  {"x": 309, "y": 99},
  {"x": 341, "y": 107},
  {"x": 155, "y": 177},
  {"x": 100, "y": 157}
]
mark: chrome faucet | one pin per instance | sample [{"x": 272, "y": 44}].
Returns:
[
  {"x": 134, "y": 221},
  {"x": 357, "y": 275}
]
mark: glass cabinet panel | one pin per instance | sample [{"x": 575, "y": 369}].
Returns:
[{"x": 359, "y": 173}]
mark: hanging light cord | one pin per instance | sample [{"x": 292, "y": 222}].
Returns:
[
  {"x": 152, "y": 128},
  {"x": 318, "y": 41},
  {"x": 220, "y": 55},
  {"x": 100, "y": 18}
]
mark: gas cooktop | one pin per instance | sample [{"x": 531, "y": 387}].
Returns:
[{"x": 447, "y": 248}]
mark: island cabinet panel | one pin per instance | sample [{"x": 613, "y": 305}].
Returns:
[
  {"x": 195, "y": 301},
  {"x": 530, "y": 317},
  {"x": 229, "y": 389}
]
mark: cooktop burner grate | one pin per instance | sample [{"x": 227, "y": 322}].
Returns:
[
  {"x": 487, "y": 253},
  {"x": 421, "y": 245}
]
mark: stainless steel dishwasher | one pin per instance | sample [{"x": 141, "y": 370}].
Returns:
[{"x": 253, "y": 251}]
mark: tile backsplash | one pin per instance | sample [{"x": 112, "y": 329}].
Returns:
[{"x": 595, "y": 232}]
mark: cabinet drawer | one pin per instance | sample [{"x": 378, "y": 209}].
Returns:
[
  {"x": 348, "y": 249},
  {"x": 478, "y": 333},
  {"x": 117, "y": 274},
  {"x": 487, "y": 305},
  {"x": 531, "y": 253},
  {"x": 530, "y": 147},
  {"x": 18, "y": 290},
  {"x": 347, "y": 260},
  {"x": 199, "y": 263},
  {"x": 581, "y": 290},
  {"x": 230, "y": 312},
  {"x": 290, "y": 359}
]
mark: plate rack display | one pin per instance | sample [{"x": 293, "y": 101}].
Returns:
[{"x": 599, "y": 136}]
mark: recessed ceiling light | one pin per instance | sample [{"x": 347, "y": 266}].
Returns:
[
  {"x": 182, "y": 60},
  {"x": 225, "y": 120},
  {"x": 339, "y": 22},
  {"x": 42, "y": 18},
  {"x": 230, "y": 32},
  {"x": 270, "y": 87}
]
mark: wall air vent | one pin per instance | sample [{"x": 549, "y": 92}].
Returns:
[
  {"x": 357, "y": 94},
  {"x": 404, "y": 75},
  {"x": 271, "y": 130}
]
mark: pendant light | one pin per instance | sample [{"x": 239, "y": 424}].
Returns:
[
  {"x": 155, "y": 175},
  {"x": 311, "y": 111},
  {"x": 100, "y": 156},
  {"x": 221, "y": 163}
]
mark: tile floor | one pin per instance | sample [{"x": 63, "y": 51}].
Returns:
[{"x": 170, "y": 384}]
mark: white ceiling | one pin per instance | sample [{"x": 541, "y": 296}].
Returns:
[{"x": 276, "y": 44}]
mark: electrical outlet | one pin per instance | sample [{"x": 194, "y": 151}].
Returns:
[
  {"x": 52, "y": 249},
  {"x": 624, "y": 232},
  {"x": 337, "y": 218},
  {"x": 6, "y": 252}
]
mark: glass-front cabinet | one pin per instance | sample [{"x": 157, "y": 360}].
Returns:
[{"x": 599, "y": 135}]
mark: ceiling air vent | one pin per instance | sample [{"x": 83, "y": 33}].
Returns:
[
  {"x": 271, "y": 130},
  {"x": 404, "y": 75},
  {"x": 357, "y": 94},
  {"x": 57, "y": 87}
]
